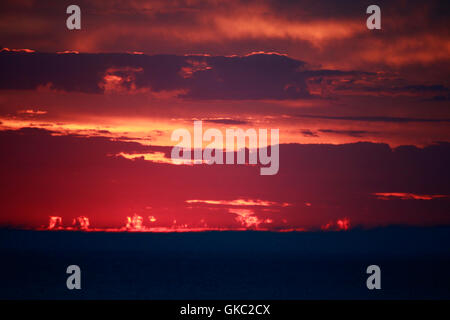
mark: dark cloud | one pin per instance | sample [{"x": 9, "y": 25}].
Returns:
[
  {"x": 103, "y": 131},
  {"x": 257, "y": 76},
  {"x": 86, "y": 72},
  {"x": 226, "y": 121},
  {"x": 309, "y": 133},
  {"x": 386, "y": 88},
  {"x": 68, "y": 175},
  {"x": 322, "y": 32},
  {"x": 351, "y": 133},
  {"x": 439, "y": 98},
  {"x": 423, "y": 88},
  {"x": 372, "y": 118}
]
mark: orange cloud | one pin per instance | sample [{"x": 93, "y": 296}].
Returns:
[
  {"x": 425, "y": 48},
  {"x": 121, "y": 80},
  {"x": 32, "y": 112},
  {"x": 68, "y": 52},
  {"x": 340, "y": 225},
  {"x": 55, "y": 223},
  {"x": 407, "y": 196},
  {"x": 135, "y": 223},
  {"x": 156, "y": 157},
  {"x": 246, "y": 217},
  {"x": 81, "y": 223},
  {"x": 241, "y": 202},
  {"x": 17, "y": 50}
]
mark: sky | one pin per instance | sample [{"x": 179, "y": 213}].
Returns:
[{"x": 86, "y": 116}]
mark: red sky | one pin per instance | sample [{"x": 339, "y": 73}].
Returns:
[{"x": 363, "y": 114}]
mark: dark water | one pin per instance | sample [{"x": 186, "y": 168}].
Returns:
[{"x": 414, "y": 262}]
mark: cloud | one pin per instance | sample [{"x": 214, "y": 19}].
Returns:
[
  {"x": 322, "y": 32},
  {"x": 240, "y": 202},
  {"x": 46, "y": 166},
  {"x": 407, "y": 196},
  {"x": 351, "y": 133},
  {"x": 309, "y": 133},
  {"x": 226, "y": 121},
  {"x": 150, "y": 65},
  {"x": 255, "y": 76},
  {"x": 246, "y": 218},
  {"x": 32, "y": 112},
  {"x": 373, "y": 118},
  {"x": 157, "y": 157},
  {"x": 382, "y": 85},
  {"x": 129, "y": 94},
  {"x": 135, "y": 223},
  {"x": 54, "y": 223},
  {"x": 81, "y": 223},
  {"x": 340, "y": 225}
]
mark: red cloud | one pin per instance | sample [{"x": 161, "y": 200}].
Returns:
[
  {"x": 407, "y": 196},
  {"x": 340, "y": 225},
  {"x": 55, "y": 223}
]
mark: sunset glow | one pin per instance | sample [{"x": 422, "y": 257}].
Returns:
[{"x": 87, "y": 117}]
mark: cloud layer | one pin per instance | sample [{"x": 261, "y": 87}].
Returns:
[{"x": 71, "y": 176}]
